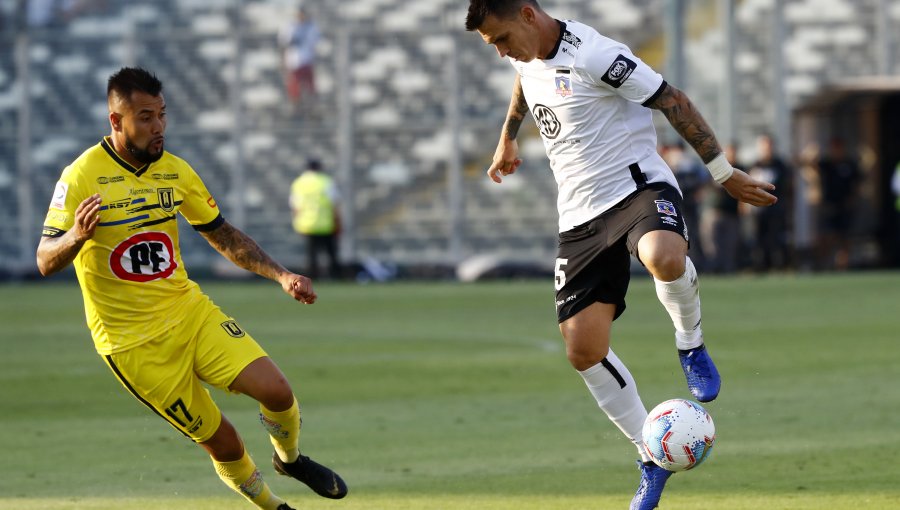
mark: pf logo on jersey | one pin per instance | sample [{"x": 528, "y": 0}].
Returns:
[
  {"x": 546, "y": 121},
  {"x": 144, "y": 257}
]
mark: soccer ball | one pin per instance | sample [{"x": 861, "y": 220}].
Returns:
[{"x": 678, "y": 434}]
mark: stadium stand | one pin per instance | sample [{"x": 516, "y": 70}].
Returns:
[{"x": 398, "y": 86}]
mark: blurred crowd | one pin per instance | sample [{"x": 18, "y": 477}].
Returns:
[
  {"x": 824, "y": 219},
  {"x": 817, "y": 224}
]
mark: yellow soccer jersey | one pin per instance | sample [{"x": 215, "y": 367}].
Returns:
[{"x": 132, "y": 278}]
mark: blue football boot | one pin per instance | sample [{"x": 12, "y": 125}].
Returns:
[
  {"x": 653, "y": 481},
  {"x": 702, "y": 377}
]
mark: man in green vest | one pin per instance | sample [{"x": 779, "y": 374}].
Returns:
[{"x": 314, "y": 209}]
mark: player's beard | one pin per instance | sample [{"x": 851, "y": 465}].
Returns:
[{"x": 143, "y": 155}]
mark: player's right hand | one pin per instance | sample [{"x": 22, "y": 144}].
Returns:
[
  {"x": 87, "y": 217},
  {"x": 506, "y": 160}
]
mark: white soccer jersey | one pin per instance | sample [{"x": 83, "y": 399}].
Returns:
[{"x": 587, "y": 99}]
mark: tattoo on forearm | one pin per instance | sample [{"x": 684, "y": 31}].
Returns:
[
  {"x": 518, "y": 107},
  {"x": 242, "y": 250},
  {"x": 688, "y": 122},
  {"x": 55, "y": 253}
]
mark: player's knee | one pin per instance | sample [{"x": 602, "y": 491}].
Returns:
[
  {"x": 583, "y": 358},
  {"x": 587, "y": 339},
  {"x": 278, "y": 395},
  {"x": 665, "y": 265}
]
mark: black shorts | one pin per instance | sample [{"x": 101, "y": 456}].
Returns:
[{"x": 594, "y": 264}]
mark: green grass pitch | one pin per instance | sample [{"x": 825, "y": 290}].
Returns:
[{"x": 443, "y": 396}]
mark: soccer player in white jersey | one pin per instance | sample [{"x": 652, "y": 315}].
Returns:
[
  {"x": 590, "y": 96},
  {"x": 113, "y": 216}
]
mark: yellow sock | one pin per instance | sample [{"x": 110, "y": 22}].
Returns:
[
  {"x": 243, "y": 478},
  {"x": 284, "y": 430}
]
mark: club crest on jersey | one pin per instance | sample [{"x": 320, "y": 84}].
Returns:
[
  {"x": 666, "y": 207},
  {"x": 231, "y": 327},
  {"x": 619, "y": 71},
  {"x": 563, "y": 86},
  {"x": 166, "y": 198}
]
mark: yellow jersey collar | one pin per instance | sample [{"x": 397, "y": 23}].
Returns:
[{"x": 106, "y": 143}]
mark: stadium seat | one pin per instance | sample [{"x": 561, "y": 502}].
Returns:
[{"x": 398, "y": 88}]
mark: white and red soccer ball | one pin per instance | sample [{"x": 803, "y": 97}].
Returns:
[{"x": 678, "y": 434}]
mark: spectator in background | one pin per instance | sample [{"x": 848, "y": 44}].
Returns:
[
  {"x": 720, "y": 224},
  {"x": 808, "y": 195},
  {"x": 692, "y": 178},
  {"x": 895, "y": 190},
  {"x": 41, "y": 13},
  {"x": 297, "y": 41},
  {"x": 314, "y": 208},
  {"x": 72, "y": 9},
  {"x": 770, "y": 225},
  {"x": 840, "y": 177}
]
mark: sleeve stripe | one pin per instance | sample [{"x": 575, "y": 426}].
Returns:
[
  {"x": 656, "y": 94},
  {"x": 212, "y": 225}
]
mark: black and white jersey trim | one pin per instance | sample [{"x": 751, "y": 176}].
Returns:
[{"x": 656, "y": 94}]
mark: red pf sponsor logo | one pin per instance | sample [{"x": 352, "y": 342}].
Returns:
[{"x": 144, "y": 257}]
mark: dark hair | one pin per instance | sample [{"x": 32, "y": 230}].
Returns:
[
  {"x": 479, "y": 10},
  {"x": 133, "y": 79}
]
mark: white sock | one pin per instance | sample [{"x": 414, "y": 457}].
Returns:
[
  {"x": 616, "y": 393},
  {"x": 681, "y": 298}
]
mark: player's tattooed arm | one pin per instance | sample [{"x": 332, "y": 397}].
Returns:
[
  {"x": 688, "y": 122},
  {"x": 685, "y": 118},
  {"x": 517, "y": 110},
  {"x": 243, "y": 251},
  {"x": 55, "y": 253},
  {"x": 506, "y": 157}
]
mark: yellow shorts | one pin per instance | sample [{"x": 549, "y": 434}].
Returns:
[{"x": 165, "y": 374}]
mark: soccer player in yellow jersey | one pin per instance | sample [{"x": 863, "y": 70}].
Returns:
[{"x": 113, "y": 215}]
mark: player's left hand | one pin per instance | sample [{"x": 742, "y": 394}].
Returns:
[
  {"x": 299, "y": 287},
  {"x": 747, "y": 189}
]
